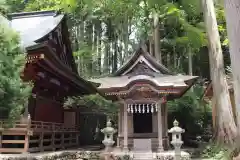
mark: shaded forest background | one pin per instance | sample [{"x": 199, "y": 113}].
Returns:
[{"x": 104, "y": 33}]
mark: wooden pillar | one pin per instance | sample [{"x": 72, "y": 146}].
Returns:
[
  {"x": 27, "y": 135},
  {"x": 77, "y": 139},
  {"x": 125, "y": 130},
  {"x": 0, "y": 139},
  {"x": 53, "y": 138},
  {"x": 119, "y": 128},
  {"x": 159, "y": 117},
  {"x": 167, "y": 145},
  {"x": 62, "y": 141},
  {"x": 41, "y": 136},
  {"x": 26, "y": 144}
]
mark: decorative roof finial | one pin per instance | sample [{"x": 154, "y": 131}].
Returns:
[{"x": 175, "y": 123}]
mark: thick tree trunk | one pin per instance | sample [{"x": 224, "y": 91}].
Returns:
[
  {"x": 151, "y": 41},
  {"x": 157, "y": 52},
  {"x": 226, "y": 126},
  {"x": 126, "y": 39},
  {"x": 232, "y": 12},
  {"x": 190, "y": 66},
  {"x": 98, "y": 28}
]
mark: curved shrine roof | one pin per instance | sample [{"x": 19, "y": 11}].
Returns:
[
  {"x": 142, "y": 66},
  {"x": 33, "y": 27},
  {"x": 161, "y": 81}
]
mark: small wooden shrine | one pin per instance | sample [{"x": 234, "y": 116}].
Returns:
[
  {"x": 50, "y": 66},
  {"x": 144, "y": 86},
  {"x": 209, "y": 98}
]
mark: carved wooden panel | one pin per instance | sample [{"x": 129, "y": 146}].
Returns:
[
  {"x": 138, "y": 94},
  {"x": 141, "y": 68}
]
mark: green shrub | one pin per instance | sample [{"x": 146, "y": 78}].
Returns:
[{"x": 14, "y": 93}]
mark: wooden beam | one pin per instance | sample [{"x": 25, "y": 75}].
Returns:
[
  {"x": 11, "y": 150},
  {"x": 12, "y": 141}
]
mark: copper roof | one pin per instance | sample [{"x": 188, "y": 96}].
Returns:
[
  {"x": 162, "y": 81},
  {"x": 142, "y": 66}
]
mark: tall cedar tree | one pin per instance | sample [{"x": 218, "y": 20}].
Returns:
[{"x": 14, "y": 92}]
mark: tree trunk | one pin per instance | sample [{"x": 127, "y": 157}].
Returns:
[
  {"x": 174, "y": 58},
  {"x": 126, "y": 39},
  {"x": 190, "y": 67},
  {"x": 151, "y": 42},
  {"x": 232, "y": 12},
  {"x": 213, "y": 104},
  {"x": 169, "y": 60},
  {"x": 157, "y": 52},
  {"x": 115, "y": 55},
  {"x": 226, "y": 126}
]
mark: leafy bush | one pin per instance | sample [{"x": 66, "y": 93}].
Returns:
[
  {"x": 94, "y": 103},
  {"x": 215, "y": 152},
  {"x": 193, "y": 115}
]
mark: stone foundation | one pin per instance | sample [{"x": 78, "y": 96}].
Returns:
[
  {"x": 90, "y": 155},
  {"x": 65, "y": 155}
]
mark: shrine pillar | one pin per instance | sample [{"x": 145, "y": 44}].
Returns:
[
  {"x": 165, "y": 114},
  {"x": 159, "y": 118},
  {"x": 119, "y": 126},
  {"x": 125, "y": 129}
]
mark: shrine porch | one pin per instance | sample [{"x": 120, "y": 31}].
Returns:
[
  {"x": 143, "y": 121},
  {"x": 36, "y": 136}
]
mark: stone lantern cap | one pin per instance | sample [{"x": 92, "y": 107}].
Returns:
[{"x": 176, "y": 129}]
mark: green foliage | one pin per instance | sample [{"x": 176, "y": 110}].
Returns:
[
  {"x": 94, "y": 103},
  {"x": 191, "y": 112},
  {"x": 3, "y": 6},
  {"x": 215, "y": 152},
  {"x": 14, "y": 92}
]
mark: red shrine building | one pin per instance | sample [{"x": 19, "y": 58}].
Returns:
[
  {"x": 143, "y": 86},
  {"x": 50, "y": 66}
]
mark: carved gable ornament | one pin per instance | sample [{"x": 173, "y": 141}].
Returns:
[{"x": 141, "y": 68}]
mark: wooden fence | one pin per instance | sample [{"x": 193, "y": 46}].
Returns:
[{"x": 36, "y": 136}]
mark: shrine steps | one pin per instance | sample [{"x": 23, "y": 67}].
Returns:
[{"x": 143, "y": 156}]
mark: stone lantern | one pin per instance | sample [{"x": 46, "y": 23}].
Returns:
[
  {"x": 177, "y": 142},
  {"x": 108, "y": 132}
]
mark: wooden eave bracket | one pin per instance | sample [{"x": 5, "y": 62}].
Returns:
[{"x": 34, "y": 58}]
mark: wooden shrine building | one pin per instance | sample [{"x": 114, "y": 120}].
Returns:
[
  {"x": 51, "y": 67},
  {"x": 144, "y": 86}
]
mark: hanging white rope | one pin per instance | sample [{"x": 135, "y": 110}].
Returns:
[
  {"x": 147, "y": 108},
  {"x": 132, "y": 108},
  {"x": 156, "y": 107},
  {"x": 128, "y": 108},
  {"x": 143, "y": 108}
]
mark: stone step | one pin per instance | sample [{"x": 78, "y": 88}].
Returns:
[{"x": 143, "y": 155}]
